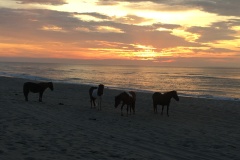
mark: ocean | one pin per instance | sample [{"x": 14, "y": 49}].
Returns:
[{"x": 213, "y": 83}]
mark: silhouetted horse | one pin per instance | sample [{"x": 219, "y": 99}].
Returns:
[
  {"x": 36, "y": 88},
  {"x": 96, "y": 93},
  {"x": 163, "y": 99},
  {"x": 128, "y": 98}
]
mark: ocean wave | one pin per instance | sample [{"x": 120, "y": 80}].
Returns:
[
  {"x": 207, "y": 96},
  {"x": 24, "y": 76},
  {"x": 196, "y": 83}
]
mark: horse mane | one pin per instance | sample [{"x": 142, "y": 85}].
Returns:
[
  {"x": 170, "y": 92},
  {"x": 128, "y": 93},
  {"x": 120, "y": 94},
  {"x": 50, "y": 85}
]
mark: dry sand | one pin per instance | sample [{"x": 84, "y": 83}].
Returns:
[{"x": 63, "y": 127}]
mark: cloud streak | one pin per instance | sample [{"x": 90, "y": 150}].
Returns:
[
  {"x": 45, "y": 2},
  {"x": 220, "y": 7}
]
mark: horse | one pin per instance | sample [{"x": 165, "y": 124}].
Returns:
[
  {"x": 96, "y": 93},
  {"x": 128, "y": 98},
  {"x": 163, "y": 99},
  {"x": 36, "y": 88}
]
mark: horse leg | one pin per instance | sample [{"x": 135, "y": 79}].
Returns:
[
  {"x": 167, "y": 110},
  {"x": 40, "y": 96},
  {"x": 162, "y": 109},
  {"x": 127, "y": 109},
  {"x": 154, "y": 108},
  {"x": 133, "y": 107},
  {"x": 122, "y": 109},
  {"x": 100, "y": 103},
  {"x": 26, "y": 95},
  {"x": 91, "y": 102},
  {"x": 130, "y": 108}
]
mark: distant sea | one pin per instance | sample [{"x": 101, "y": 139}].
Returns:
[{"x": 214, "y": 83}]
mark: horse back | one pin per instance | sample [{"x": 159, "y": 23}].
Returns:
[
  {"x": 30, "y": 86},
  {"x": 161, "y": 99},
  {"x": 128, "y": 97},
  {"x": 157, "y": 95}
]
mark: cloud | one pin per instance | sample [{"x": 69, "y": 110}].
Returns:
[
  {"x": 217, "y": 31},
  {"x": 127, "y": 19},
  {"x": 130, "y": 19},
  {"x": 93, "y": 14},
  {"x": 46, "y": 2},
  {"x": 62, "y": 34},
  {"x": 38, "y": 24},
  {"x": 107, "y": 2},
  {"x": 220, "y": 7}
]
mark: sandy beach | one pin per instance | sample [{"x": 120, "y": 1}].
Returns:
[{"x": 64, "y": 127}]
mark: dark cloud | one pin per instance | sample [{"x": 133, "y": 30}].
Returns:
[
  {"x": 48, "y": 2},
  {"x": 220, "y": 7},
  {"x": 217, "y": 31},
  {"x": 214, "y": 51},
  {"x": 167, "y": 26},
  {"x": 107, "y": 2}
]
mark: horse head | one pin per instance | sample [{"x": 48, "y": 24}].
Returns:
[
  {"x": 100, "y": 89},
  {"x": 175, "y": 95},
  {"x": 50, "y": 85}
]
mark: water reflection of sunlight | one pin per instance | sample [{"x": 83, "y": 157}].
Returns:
[{"x": 187, "y": 81}]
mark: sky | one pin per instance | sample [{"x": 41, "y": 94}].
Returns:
[{"x": 155, "y": 32}]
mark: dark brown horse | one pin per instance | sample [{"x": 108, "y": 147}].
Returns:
[
  {"x": 36, "y": 88},
  {"x": 128, "y": 98},
  {"x": 163, "y": 99},
  {"x": 96, "y": 93}
]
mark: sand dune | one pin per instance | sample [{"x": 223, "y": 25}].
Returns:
[{"x": 64, "y": 127}]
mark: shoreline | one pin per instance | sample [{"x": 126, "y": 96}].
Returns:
[{"x": 40, "y": 79}]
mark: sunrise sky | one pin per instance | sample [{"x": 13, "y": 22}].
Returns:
[{"x": 159, "y": 32}]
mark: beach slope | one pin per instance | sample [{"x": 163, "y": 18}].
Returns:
[{"x": 64, "y": 127}]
